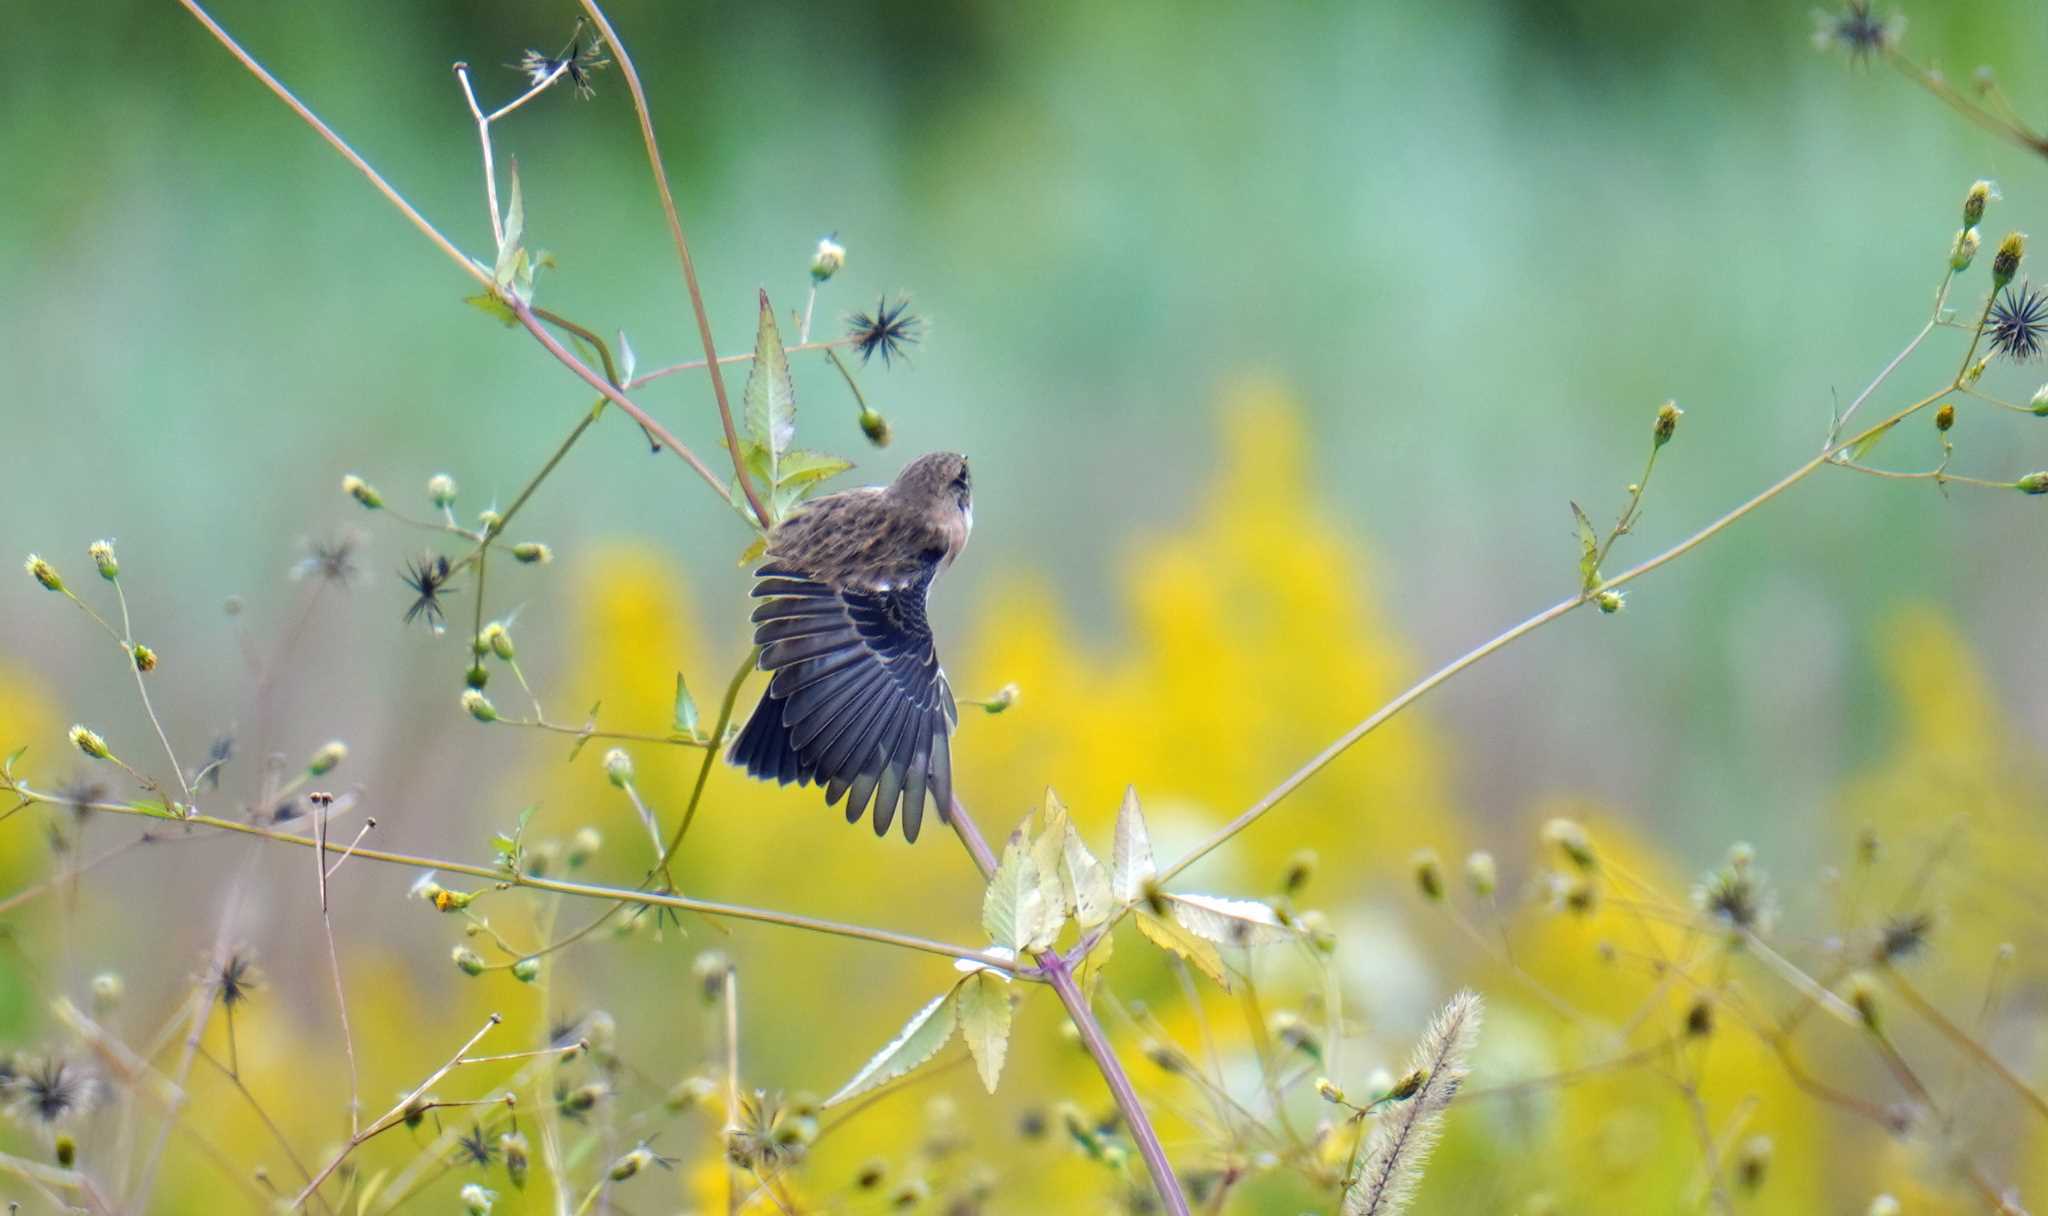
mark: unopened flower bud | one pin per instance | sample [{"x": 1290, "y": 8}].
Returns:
[
  {"x": 2033, "y": 483},
  {"x": 1974, "y": 202},
  {"x": 2040, "y": 402},
  {"x": 583, "y": 846},
  {"x": 468, "y": 961},
  {"x": 498, "y": 640},
  {"x": 1976, "y": 371},
  {"x": 1611, "y": 601},
  {"x": 1964, "y": 251},
  {"x": 1580, "y": 896},
  {"x": 1005, "y": 697},
  {"x": 476, "y": 677},
  {"x": 618, "y": 767},
  {"x": 710, "y": 969},
  {"x": 362, "y": 491},
  {"x": 526, "y": 970},
  {"x": 632, "y": 1163},
  {"x": 1569, "y": 838},
  {"x": 145, "y": 658},
  {"x": 44, "y": 573},
  {"x": 1753, "y": 1161},
  {"x": 1329, "y": 1092},
  {"x": 441, "y": 488},
  {"x": 533, "y": 553},
  {"x": 517, "y": 1157},
  {"x": 1945, "y": 417},
  {"x": 1297, "y": 1035},
  {"x": 825, "y": 263},
  {"x": 476, "y": 1201},
  {"x": 102, "y": 552},
  {"x": 1429, "y": 874},
  {"x": 874, "y": 426},
  {"x": 446, "y": 900},
  {"x": 2006, "y": 262},
  {"x": 89, "y": 742},
  {"x": 1481, "y": 874},
  {"x": 1699, "y": 1019},
  {"x": 1409, "y": 1085},
  {"x": 66, "y": 1150},
  {"x": 328, "y": 758},
  {"x": 1301, "y": 868},
  {"x": 872, "y": 1174},
  {"x": 489, "y": 521},
  {"x": 479, "y": 706},
  {"x": 1883, "y": 1205},
  {"x": 582, "y": 1099},
  {"x": 1163, "y": 1057},
  {"x": 107, "y": 991},
  {"x": 1666, "y": 425}
]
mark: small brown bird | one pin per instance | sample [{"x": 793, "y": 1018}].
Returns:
[{"x": 856, "y": 699}]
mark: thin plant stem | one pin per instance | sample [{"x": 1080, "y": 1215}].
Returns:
[
  {"x": 392, "y": 1117},
  {"x": 725, "y": 712},
  {"x": 1966, "y": 1042},
  {"x": 675, "y": 229},
  {"x": 469, "y": 265},
  {"x": 348, "y": 1041},
  {"x": 1501, "y": 641},
  {"x": 625, "y": 895},
  {"x": 142, "y": 687},
  {"x": 726, "y": 360}
]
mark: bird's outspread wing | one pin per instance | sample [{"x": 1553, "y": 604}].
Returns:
[{"x": 856, "y": 699}]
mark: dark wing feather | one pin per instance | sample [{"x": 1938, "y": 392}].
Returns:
[{"x": 856, "y": 699}]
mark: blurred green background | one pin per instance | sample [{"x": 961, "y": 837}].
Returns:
[{"x": 1475, "y": 244}]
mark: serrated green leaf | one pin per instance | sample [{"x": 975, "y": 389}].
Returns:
[
  {"x": 800, "y": 467},
  {"x": 155, "y": 806},
  {"x": 1048, "y": 853},
  {"x": 1229, "y": 922},
  {"x": 686, "y": 708},
  {"x": 628, "y": 361},
  {"x": 1168, "y": 935},
  {"x": 770, "y": 398},
  {"x": 1131, "y": 866},
  {"x": 1087, "y": 882},
  {"x": 1589, "y": 549},
  {"x": 985, "y": 1023},
  {"x": 754, "y": 551},
  {"x": 1861, "y": 448},
  {"x": 1013, "y": 909},
  {"x": 488, "y": 302},
  {"x": 509, "y": 250},
  {"x": 920, "y": 1039}
]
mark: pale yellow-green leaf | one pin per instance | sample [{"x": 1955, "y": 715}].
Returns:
[
  {"x": 509, "y": 251},
  {"x": 984, "y": 1000},
  {"x": 1169, "y": 935},
  {"x": 1229, "y": 922},
  {"x": 1589, "y": 549},
  {"x": 770, "y": 398},
  {"x": 1013, "y": 910},
  {"x": 1087, "y": 882},
  {"x": 1861, "y": 447},
  {"x": 1130, "y": 862},
  {"x": 920, "y": 1040},
  {"x": 1048, "y": 847}
]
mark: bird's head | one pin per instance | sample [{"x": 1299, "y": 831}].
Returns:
[{"x": 938, "y": 484}]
